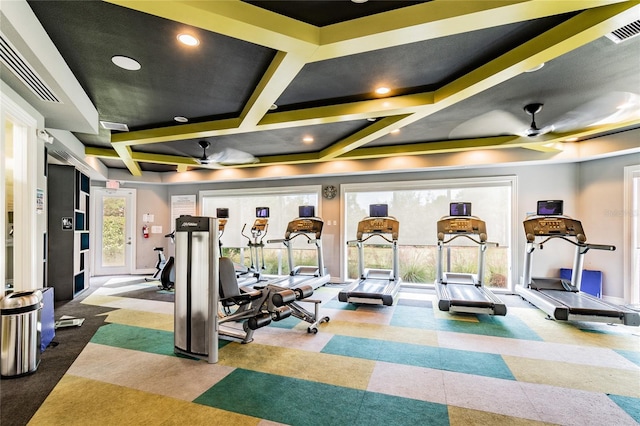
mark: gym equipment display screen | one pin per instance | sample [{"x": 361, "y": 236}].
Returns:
[
  {"x": 306, "y": 211},
  {"x": 222, "y": 213},
  {"x": 378, "y": 210},
  {"x": 459, "y": 209},
  {"x": 262, "y": 211},
  {"x": 549, "y": 208}
]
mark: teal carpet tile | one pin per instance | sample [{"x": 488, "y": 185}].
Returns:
[
  {"x": 628, "y": 404},
  {"x": 294, "y": 401},
  {"x": 138, "y": 338},
  {"x": 631, "y": 356},
  {"x": 487, "y": 325},
  {"x": 478, "y": 363}
]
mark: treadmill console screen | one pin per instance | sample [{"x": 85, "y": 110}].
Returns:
[
  {"x": 306, "y": 211},
  {"x": 304, "y": 226},
  {"x": 378, "y": 225},
  {"x": 262, "y": 211},
  {"x": 549, "y": 208},
  {"x": 461, "y": 225},
  {"x": 553, "y": 226},
  {"x": 459, "y": 209},
  {"x": 378, "y": 210},
  {"x": 222, "y": 213}
]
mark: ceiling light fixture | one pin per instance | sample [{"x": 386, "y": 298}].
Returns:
[
  {"x": 180, "y": 119},
  {"x": 382, "y": 90},
  {"x": 395, "y": 131},
  {"x": 126, "y": 63},
  {"x": 273, "y": 107},
  {"x": 188, "y": 39},
  {"x": 307, "y": 139},
  {"x": 359, "y": 1}
]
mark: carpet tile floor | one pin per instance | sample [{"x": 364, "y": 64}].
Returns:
[{"x": 406, "y": 364}]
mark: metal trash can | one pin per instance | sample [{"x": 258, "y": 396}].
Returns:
[{"x": 20, "y": 333}]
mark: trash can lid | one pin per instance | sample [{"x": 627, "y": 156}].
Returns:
[{"x": 21, "y": 299}]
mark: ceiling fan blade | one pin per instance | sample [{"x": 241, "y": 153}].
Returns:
[
  {"x": 232, "y": 156},
  {"x": 614, "y": 107},
  {"x": 492, "y": 123}
]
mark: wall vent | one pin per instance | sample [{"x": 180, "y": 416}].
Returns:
[
  {"x": 21, "y": 68},
  {"x": 625, "y": 33},
  {"x": 110, "y": 125}
]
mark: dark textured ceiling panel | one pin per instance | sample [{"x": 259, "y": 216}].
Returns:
[
  {"x": 321, "y": 13},
  {"x": 409, "y": 68},
  {"x": 215, "y": 79}
]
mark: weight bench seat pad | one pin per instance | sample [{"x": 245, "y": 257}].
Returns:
[{"x": 229, "y": 291}]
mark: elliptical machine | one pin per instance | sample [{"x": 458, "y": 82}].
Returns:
[{"x": 256, "y": 241}]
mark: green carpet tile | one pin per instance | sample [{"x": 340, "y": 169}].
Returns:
[
  {"x": 416, "y": 317},
  {"x": 293, "y": 401},
  {"x": 137, "y": 338},
  {"x": 628, "y": 404},
  {"x": 478, "y": 363}
]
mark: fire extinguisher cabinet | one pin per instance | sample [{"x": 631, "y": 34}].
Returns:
[{"x": 196, "y": 287}]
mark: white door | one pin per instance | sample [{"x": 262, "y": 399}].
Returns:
[{"x": 113, "y": 231}]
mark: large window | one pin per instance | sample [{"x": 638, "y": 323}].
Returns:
[
  {"x": 418, "y": 206},
  {"x": 283, "y": 206}
]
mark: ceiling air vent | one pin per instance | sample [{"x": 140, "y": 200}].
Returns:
[
  {"x": 110, "y": 125},
  {"x": 625, "y": 33},
  {"x": 21, "y": 68}
]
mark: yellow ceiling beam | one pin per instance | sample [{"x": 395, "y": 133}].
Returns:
[
  {"x": 235, "y": 19},
  {"x": 124, "y": 152},
  {"x": 439, "y": 18},
  {"x": 281, "y": 72},
  {"x": 107, "y": 153},
  {"x": 370, "y": 133},
  {"x": 173, "y": 133}
]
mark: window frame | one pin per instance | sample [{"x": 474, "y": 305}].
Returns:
[{"x": 510, "y": 181}]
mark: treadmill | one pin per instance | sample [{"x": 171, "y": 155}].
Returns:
[
  {"x": 304, "y": 225},
  {"x": 562, "y": 299},
  {"x": 375, "y": 286},
  {"x": 244, "y": 275},
  {"x": 303, "y": 280},
  {"x": 464, "y": 292}
]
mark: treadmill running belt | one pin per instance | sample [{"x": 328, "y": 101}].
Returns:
[{"x": 581, "y": 304}]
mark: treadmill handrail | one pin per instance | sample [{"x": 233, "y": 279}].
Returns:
[{"x": 587, "y": 246}]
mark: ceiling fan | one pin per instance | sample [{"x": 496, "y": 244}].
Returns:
[
  {"x": 226, "y": 156},
  {"x": 615, "y": 107}
]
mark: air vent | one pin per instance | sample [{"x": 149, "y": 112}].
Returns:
[
  {"x": 21, "y": 68},
  {"x": 625, "y": 33},
  {"x": 109, "y": 125}
]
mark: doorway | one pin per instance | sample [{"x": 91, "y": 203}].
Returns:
[{"x": 113, "y": 227}]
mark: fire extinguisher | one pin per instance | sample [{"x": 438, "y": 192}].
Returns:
[{"x": 145, "y": 231}]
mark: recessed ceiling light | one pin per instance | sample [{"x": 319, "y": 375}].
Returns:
[
  {"x": 180, "y": 119},
  {"x": 359, "y": 1},
  {"x": 371, "y": 119},
  {"x": 188, "y": 39},
  {"x": 536, "y": 68},
  {"x": 395, "y": 131},
  {"x": 126, "y": 63},
  {"x": 273, "y": 107},
  {"x": 307, "y": 139},
  {"x": 382, "y": 90}
]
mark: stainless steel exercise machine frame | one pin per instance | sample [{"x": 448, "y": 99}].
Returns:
[
  {"x": 375, "y": 286},
  {"x": 304, "y": 275},
  {"x": 465, "y": 292},
  {"x": 558, "y": 298}
]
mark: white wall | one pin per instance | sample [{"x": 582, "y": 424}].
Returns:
[{"x": 601, "y": 206}]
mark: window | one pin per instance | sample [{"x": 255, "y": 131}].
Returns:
[
  {"x": 283, "y": 206},
  {"x": 418, "y": 206}
]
